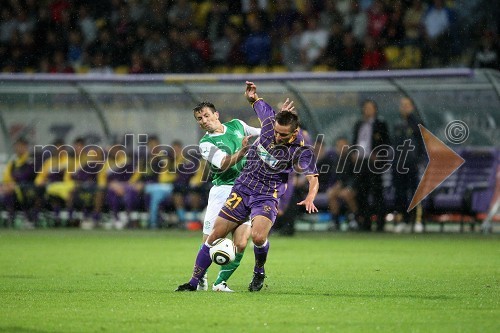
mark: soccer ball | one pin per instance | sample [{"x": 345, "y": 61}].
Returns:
[{"x": 222, "y": 251}]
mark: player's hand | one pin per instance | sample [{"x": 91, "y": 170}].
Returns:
[
  {"x": 288, "y": 106},
  {"x": 251, "y": 92},
  {"x": 309, "y": 205},
  {"x": 245, "y": 140}
]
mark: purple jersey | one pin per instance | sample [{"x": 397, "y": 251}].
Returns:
[{"x": 268, "y": 164}]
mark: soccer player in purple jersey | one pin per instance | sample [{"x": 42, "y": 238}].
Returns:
[{"x": 279, "y": 150}]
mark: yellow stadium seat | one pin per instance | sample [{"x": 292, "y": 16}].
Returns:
[
  {"x": 121, "y": 70},
  {"x": 412, "y": 57},
  {"x": 240, "y": 70},
  {"x": 279, "y": 69},
  {"x": 221, "y": 70},
  {"x": 320, "y": 68},
  {"x": 82, "y": 69},
  {"x": 261, "y": 69}
]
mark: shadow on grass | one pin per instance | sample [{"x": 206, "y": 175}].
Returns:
[
  {"x": 16, "y": 276},
  {"x": 12, "y": 329},
  {"x": 365, "y": 295}
]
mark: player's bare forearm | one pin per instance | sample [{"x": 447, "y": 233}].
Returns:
[
  {"x": 231, "y": 160},
  {"x": 308, "y": 202}
]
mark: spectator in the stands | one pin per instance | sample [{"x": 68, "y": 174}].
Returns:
[
  {"x": 437, "y": 23},
  {"x": 377, "y": 19},
  {"x": 487, "y": 54},
  {"x": 373, "y": 58},
  {"x": 349, "y": 58},
  {"x": 313, "y": 42},
  {"x": 290, "y": 47},
  {"x": 412, "y": 22},
  {"x": 17, "y": 189},
  {"x": 257, "y": 44}
]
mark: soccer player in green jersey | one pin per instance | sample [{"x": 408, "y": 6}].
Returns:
[{"x": 224, "y": 147}]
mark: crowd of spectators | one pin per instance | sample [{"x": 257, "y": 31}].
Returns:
[{"x": 183, "y": 36}]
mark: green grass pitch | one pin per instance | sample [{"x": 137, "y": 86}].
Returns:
[{"x": 107, "y": 281}]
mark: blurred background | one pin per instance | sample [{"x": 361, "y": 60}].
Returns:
[{"x": 99, "y": 70}]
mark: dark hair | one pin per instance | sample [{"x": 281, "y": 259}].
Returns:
[
  {"x": 22, "y": 140},
  {"x": 177, "y": 143},
  {"x": 58, "y": 142},
  {"x": 286, "y": 118},
  {"x": 153, "y": 137},
  {"x": 202, "y": 105},
  {"x": 79, "y": 140}
]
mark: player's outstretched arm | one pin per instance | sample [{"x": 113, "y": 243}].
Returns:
[{"x": 308, "y": 202}]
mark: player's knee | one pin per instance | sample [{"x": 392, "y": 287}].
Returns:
[
  {"x": 240, "y": 244},
  {"x": 258, "y": 238}
]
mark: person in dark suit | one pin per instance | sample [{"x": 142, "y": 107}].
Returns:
[
  {"x": 372, "y": 155},
  {"x": 407, "y": 163}
]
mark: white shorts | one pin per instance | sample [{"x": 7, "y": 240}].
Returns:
[{"x": 216, "y": 199}]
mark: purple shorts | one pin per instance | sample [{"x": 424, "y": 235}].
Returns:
[{"x": 244, "y": 202}]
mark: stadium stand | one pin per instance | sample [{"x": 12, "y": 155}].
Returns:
[{"x": 62, "y": 36}]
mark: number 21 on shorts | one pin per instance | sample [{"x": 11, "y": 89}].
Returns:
[{"x": 233, "y": 201}]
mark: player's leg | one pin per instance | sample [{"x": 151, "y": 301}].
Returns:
[
  {"x": 261, "y": 225},
  {"x": 240, "y": 239},
  {"x": 216, "y": 198},
  {"x": 221, "y": 228}
]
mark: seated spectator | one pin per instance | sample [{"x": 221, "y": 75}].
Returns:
[
  {"x": 52, "y": 191},
  {"x": 412, "y": 22},
  {"x": 119, "y": 169},
  {"x": 59, "y": 64},
  {"x": 17, "y": 189},
  {"x": 257, "y": 44},
  {"x": 349, "y": 58},
  {"x": 290, "y": 47},
  {"x": 176, "y": 186},
  {"x": 143, "y": 192},
  {"x": 394, "y": 31},
  {"x": 216, "y": 20},
  {"x": 373, "y": 58},
  {"x": 180, "y": 14},
  {"x": 186, "y": 186},
  {"x": 330, "y": 15},
  {"x": 487, "y": 54},
  {"x": 356, "y": 20},
  {"x": 313, "y": 42},
  {"x": 89, "y": 184},
  {"x": 437, "y": 22},
  {"x": 377, "y": 19},
  {"x": 283, "y": 20},
  {"x": 334, "y": 45}
]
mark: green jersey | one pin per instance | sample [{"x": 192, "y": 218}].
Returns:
[{"x": 214, "y": 147}]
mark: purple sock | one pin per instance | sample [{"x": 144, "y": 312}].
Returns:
[
  {"x": 201, "y": 264},
  {"x": 260, "y": 257}
]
